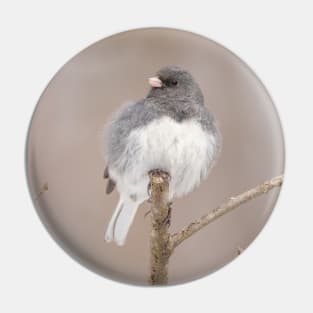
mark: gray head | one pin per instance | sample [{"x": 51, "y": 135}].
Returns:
[{"x": 175, "y": 82}]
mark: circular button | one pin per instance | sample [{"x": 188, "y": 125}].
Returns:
[{"x": 65, "y": 158}]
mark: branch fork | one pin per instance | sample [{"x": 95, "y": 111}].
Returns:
[{"x": 162, "y": 242}]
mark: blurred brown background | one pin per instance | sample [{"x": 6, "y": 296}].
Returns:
[{"x": 65, "y": 151}]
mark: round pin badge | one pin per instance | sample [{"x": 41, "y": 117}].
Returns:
[{"x": 155, "y": 157}]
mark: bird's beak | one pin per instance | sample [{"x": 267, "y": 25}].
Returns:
[{"x": 155, "y": 82}]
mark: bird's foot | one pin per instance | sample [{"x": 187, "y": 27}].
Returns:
[
  {"x": 158, "y": 172},
  {"x": 149, "y": 192},
  {"x": 167, "y": 220}
]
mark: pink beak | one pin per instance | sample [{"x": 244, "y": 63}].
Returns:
[{"x": 155, "y": 82}]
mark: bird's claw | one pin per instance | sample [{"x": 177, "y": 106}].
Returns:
[
  {"x": 149, "y": 191},
  {"x": 167, "y": 219}
]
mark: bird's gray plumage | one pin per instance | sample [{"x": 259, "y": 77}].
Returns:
[
  {"x": 170, "y": 129},
  {"x": 181, "y": 103}
]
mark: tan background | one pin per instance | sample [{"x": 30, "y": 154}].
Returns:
[{"x": 64, "y": 150}]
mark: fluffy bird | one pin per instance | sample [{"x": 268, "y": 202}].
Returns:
[{"x": 171, "y": 129}]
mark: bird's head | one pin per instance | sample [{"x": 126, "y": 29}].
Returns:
[{"x": 174, "y": 82}]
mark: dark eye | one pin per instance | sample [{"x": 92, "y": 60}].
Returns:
[{"x": 174, "y": 82}]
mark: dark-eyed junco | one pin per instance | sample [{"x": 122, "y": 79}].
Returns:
[{"x": 171, "y": 130}]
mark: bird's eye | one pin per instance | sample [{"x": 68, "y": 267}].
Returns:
[{"x": 174, "y": 82}]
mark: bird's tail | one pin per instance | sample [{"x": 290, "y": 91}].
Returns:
[{"x": 121, "y": 221}]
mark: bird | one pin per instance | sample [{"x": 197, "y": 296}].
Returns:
[{"x": 171, "y": 129}]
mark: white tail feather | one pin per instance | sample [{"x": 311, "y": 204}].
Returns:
[
  {"x": 121, "y": 221},
  {"x": 109, "y": 234}
]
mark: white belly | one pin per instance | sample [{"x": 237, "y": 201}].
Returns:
[{"x": 182, "y": 149}]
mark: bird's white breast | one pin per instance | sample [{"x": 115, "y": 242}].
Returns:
[{"x": 183, "y": 149}]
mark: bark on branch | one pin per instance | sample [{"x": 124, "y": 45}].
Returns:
[
  {"x": 224, "y": 208},
  {"x": 162, "y": 243},
  {"x": 160, "y": 218}
]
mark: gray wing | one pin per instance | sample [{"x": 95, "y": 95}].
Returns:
[
  {"x": 111, "y": 183},
  {"x": 129, "y": 118},
  {"x": 210, "y": 125}
]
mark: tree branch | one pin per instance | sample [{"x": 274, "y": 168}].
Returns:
[
  {"x": 162, "y": 243},
  {"x": 160, "y": 218},
  {"x": 222, "y": 209}
]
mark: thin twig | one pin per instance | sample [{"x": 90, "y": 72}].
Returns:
[
  {"x": 222, "y": 209},
  {"x": 43, "y": 189}
]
